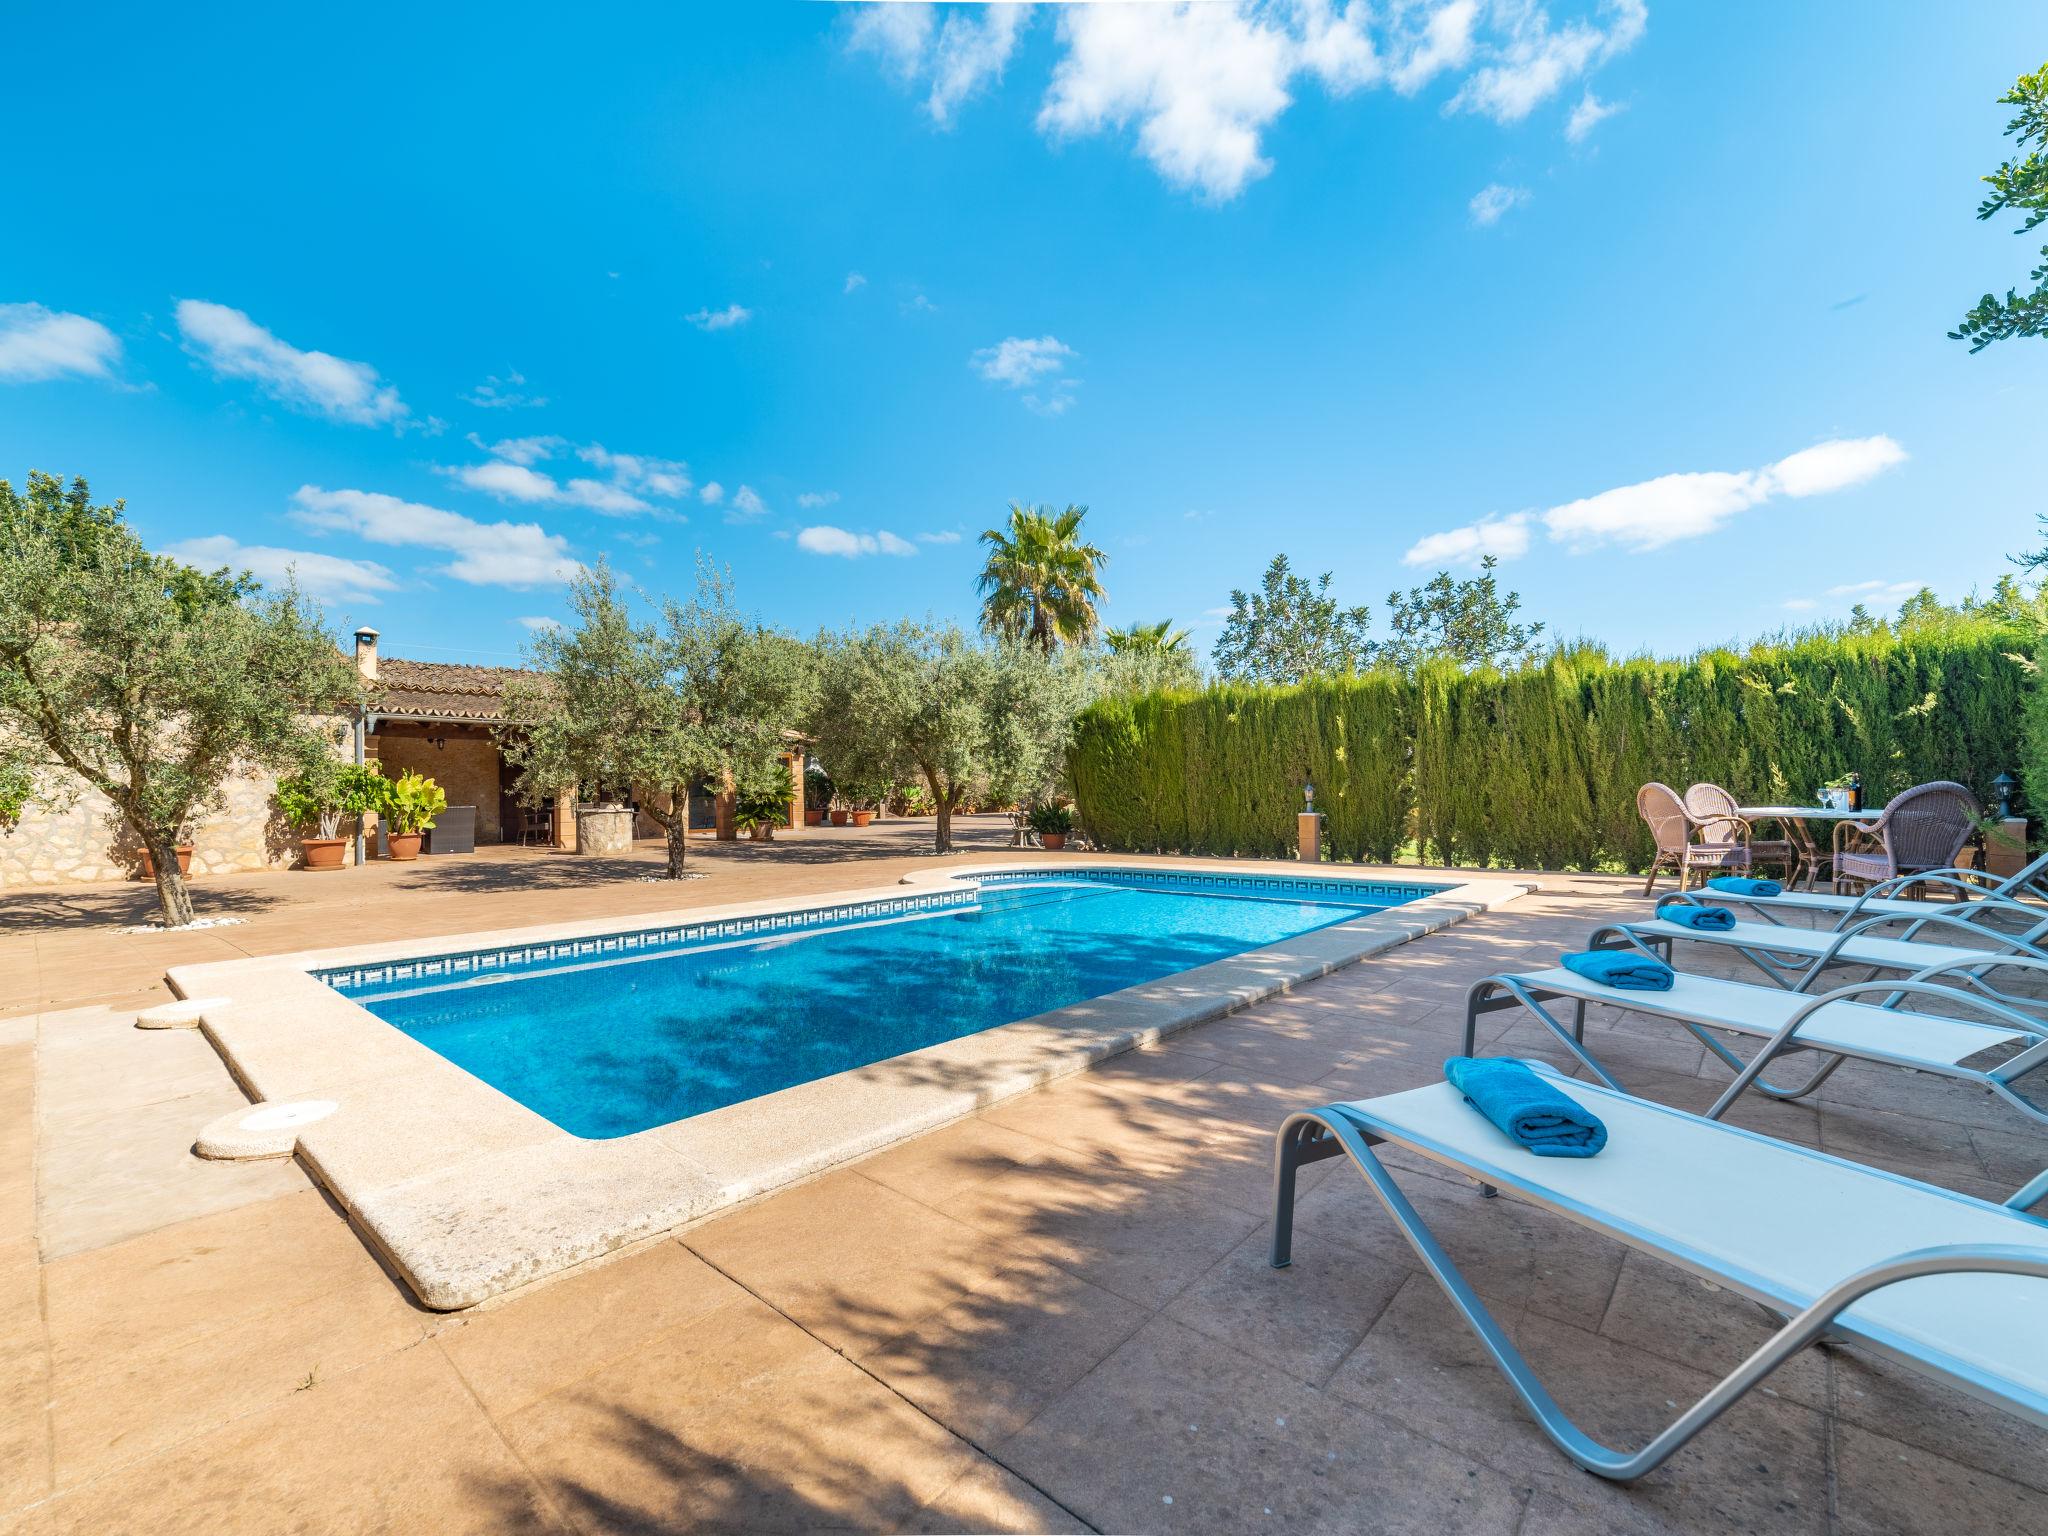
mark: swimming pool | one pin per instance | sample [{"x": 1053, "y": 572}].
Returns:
[{"x": 612, "y": 1035}]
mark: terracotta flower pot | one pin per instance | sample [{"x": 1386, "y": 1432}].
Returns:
[
  {"x": 1054, "y": 841},
  {"x": 839, "y": 818},
  {"x": 326, "y": 852},
  {"x": 402, "y": 845},
  {"x": 862, "y": 818},
  {"x": 184, "y": 862},
  {"x": 813, "y": 818}
]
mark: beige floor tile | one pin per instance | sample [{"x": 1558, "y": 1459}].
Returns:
[
  {"x": 198, "y": 1278},
  {"x": 933, "y": 1168},
  {"x": 736, "y": 1421},
  {"x": 1176, "y": 1433},
  {"x": 561, "y": 1331},
  {"x": 399, "y": 1445},
  {"x": 152, "y": 1399},
  {"x": 986, "y": 1364},
  {"x": 1891, "y": 1489},
  {"x": 989, "y": 1498}
]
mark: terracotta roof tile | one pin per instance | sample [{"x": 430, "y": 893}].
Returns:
[{"x": 443, "y": 690}]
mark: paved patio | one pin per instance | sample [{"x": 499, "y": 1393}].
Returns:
[{"x": 1052, "y": 1316}]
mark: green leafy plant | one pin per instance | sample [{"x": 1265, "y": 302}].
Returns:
[
  {"x": 1051, "y": 818},
  {"x": 326, "y": 791},
  {"x": 2021, "y": 186},
  {"x": 410, "y": 803},
  {"x": 818, "y": 789}
]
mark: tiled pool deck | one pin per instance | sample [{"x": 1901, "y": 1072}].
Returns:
[{"x": 1053, "y": 1315}]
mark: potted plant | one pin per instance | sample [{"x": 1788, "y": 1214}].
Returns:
[
  {"x": 841, "y": 812},
  {"x": 1835, "y": 793},
  {"x": 409, "y": 805},
  {"x": 818, "y": 793},
  {"x": 1052, "y": 823},
  {"x": 184, "y": 857},
  {"x": 759, "y": 814},
  {"x": 319, "y": 796},
  {"x": 863, "y": 814}
]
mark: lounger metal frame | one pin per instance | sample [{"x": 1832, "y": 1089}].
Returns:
[
  {"x": 1795, "y": 972},
  {"x": 1341, "y": 1129},
  {"x": 1857, "y": 909},
  {"x": 1498, "y": 993}
]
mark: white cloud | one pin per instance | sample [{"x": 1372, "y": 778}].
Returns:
[
  {"x": 1505, "y": 538},
  {"x": 746, "y": 506},
  {"x": 1589, "y": 114},
  {"x": 827, "y": 540},
  {"x": 521, "y": 450},
  {"x": 484, "y": 554},
  {"x": 539, "y": 621},
  {"x": 1489, "y": 203},
  {"x": 1533, "y": 60},
  {"x": 943, "y": 536},
  {"x": 720, "y": 319},
  {"x": 510, "y": 476},
  {"x": 1201, "y": 82},
  {"x": 234, "y": 346},
  {"x": 1653, "y": 513},
  {"x": 669, "y": 478},
  {"x": 1800, "y": 605},
  {"x": 711, "y": 494},
  {"x": 1878, "y": 589},
  {"x": 810, "y": 500},
  {"x": 853, "y": 281},
  {"x": 496, "y": 394},
  {"x": 969, "y": 53},
  {"x": 1036, "y": 365},
  {"x": 1836, "y": 465},
  {"x": 324, "y": 576},
  {"x": 39, "y": 343},
  {"x": 1198, "y": 84}
]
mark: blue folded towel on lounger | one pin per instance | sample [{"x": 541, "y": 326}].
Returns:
[
  {"x": 1743, "y": 885},
  {"x": 1522, "y": 1104},
  {"x": 1620, "y": 968},
  {"x": 1700, "y": 919}
]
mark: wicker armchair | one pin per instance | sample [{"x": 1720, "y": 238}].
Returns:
[
  {"x": 1925, "y": 828},
  {"x": 1715, "y": 809},
  {"x": 1681, "y": 841}
]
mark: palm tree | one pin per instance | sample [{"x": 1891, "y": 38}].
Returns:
[
  {"x": 1150, "y": 638},
  {"x": 1039, "y": 582}
]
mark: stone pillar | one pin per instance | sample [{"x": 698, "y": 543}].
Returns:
[
  {"x": 1308, "y": 837},
  {"x": 565, "y": 819},
  {"x": 2005, "y": 848},
  {"x": 604, "y": 829}
]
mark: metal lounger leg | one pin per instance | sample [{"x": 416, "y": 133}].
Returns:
[{"x": 1620, "y": 1466}]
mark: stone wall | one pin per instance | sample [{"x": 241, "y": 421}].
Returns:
[
  {"x": 87, "y": 840},
  {"x": 463, "y": 760}
]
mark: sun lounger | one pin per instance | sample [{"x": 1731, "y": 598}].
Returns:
[
  {"x": 1866, "y": 1021},
  {"x": 1795, "y": 957},
  {"x": 1957, "y": 891},
  {"x": 1946, "y": 1285}
]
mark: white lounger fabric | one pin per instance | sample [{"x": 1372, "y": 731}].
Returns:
[
  {"x": 1834, "y": 906},
  {"x": 1850, "y": 1028},
  {"x": 1777, "y": 1222},
  {"x": 1811, "y": 943}
]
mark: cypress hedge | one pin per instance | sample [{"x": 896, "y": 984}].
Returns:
[{"x": 1539, "y": 767}]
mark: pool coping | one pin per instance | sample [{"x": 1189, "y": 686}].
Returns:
[{"x": 468, "y": 1194}]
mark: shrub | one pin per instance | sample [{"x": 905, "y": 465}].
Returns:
[
  {"x": 1051, "y": 818},
  {"x": 1539, "y": 767}
]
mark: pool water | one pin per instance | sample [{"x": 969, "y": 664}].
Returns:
[{"x": 613, "y": 1047}]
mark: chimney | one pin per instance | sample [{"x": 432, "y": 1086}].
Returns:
[{"x": 366, "y": 654}]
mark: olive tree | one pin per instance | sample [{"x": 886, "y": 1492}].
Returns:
[
  {"x": 907, "y": 699},
  {"x": 704, "y": 693},
  {"x": 142, "y": 678}
]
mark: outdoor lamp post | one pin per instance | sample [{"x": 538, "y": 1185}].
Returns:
[
  {"x": 2005, "y": 784},
  {"x": 1308, "y": 828}
]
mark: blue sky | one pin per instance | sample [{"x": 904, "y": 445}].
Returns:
[{"x": 444, "y": 300}]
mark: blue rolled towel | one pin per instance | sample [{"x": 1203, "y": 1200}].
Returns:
[
  {"x": 1743, "y": 885},
  {"x": 1522, "y": 1104},
  {"x": 1700, "y": 919},
  {"x": 1620, "y": 968}
]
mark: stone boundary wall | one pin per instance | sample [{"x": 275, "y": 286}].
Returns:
[{"x": 87, "y": 840}]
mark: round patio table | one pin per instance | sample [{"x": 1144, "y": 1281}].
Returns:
[{"x": 1794, "y": 819}]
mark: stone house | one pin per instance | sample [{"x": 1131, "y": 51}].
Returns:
[{"x": 443, "y": 719}]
